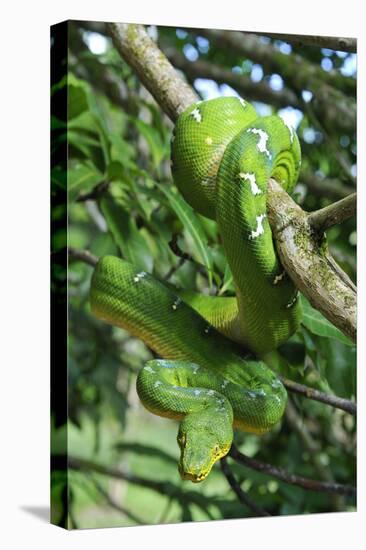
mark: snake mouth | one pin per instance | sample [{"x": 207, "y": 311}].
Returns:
[{"x": 192, "y": 476}]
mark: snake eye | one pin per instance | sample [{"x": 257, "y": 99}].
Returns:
[
  {"x": 216, "y": 449},
  {"x": 182, "y": 440}
]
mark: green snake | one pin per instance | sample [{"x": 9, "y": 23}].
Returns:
[{"x": 211, "y": 378}]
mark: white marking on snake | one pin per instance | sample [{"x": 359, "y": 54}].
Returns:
[
  {"x": 279, "y": 278},
  {"x": 207, "y": 330},
  {"x": 210, "y": 392},
  {"x": 149, "y": 369},
  {"x": 293, "y": 301},
  {"x": 157, "y": 383},
  {"x": 262, "y": 142},
  {"x": 208, "y": 140},
  {"x": 195, "y": 370},
  {"x": 139, "y": 276},
  {"x": 176, "y": 304},
  {"x": 196, "y": 114},
  {"x": 260, "y": 228},
  {"x": 197, "y": 392},
  {"x": 242, "y": 101},
  {"x": 253, "y": 184},
  {"x": 291, "y": 130},
  {"x": 224, "y": 384}
]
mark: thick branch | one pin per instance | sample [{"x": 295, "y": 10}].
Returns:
[
  {"x": 293, "y": 479},
  {"x": 330, "y": 42},
  {"x": 242, "y": 496},
  {"x": 335, "y": 213},
  {"x": 308, "y": 262},
  {"x": 152, "y": 67}
]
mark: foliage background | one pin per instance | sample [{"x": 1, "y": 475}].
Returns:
[{"x": 122, "y": 202}]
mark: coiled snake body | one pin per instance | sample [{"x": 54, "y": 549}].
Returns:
[{"x": 222, "y": 157}]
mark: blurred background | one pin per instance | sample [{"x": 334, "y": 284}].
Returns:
[{"x": 121, "y": 201}]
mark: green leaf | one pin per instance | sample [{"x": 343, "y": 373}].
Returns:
[
  {"x": 77, "y": 101},
  {"x": 316, "y": 323},
  {"x": 127, "y": 237},
  {"x": 82, "y": 176},
  {"x": 191, "y": 223}
]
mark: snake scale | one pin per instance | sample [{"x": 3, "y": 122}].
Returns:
[{"x": 211, "y": 378}]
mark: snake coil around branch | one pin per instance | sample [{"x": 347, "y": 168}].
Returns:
[{"x": 210, "y": 377}]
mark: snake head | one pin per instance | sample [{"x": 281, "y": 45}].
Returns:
[{"x": 203, "y": 437}]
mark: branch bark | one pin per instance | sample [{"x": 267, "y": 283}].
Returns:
[
  {"x": 333, "y": 214},
  {"x": 293, "y": 479},
  {"x": 152, "y": 67},
  {"x": 305, "y": 259}
]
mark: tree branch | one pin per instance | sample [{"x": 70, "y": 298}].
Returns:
[
  {"x": 311, "y": 393},
  {"x": 330, "y": 42},
  {"x": 306, "y": 261},
  {"x": 325, "y": 187},
  {"x": 165, "y": 488},
  {"x": 242, "y": 496},
  {"x": 293, "y": 479},
  {"x": 329, "y": 101},
  {"x": 152, "y": 67},
  {"x": 83, "y": 255},
  {"x": 257, "y": 91},
  {"x": 335, "y": 213},
  {"x": 250, "y": 46}
]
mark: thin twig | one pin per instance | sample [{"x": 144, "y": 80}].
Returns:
[
  {"x": 242, "y": 496},
  {"x": 287, "y": 477},
  {"x": 335, "y": 213},
  {"x": 311, "y": 393},
  {"x": 83, "y": 255},
  {"x": 113, "y": 504},
  {"x": 173, "y": 269}
]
